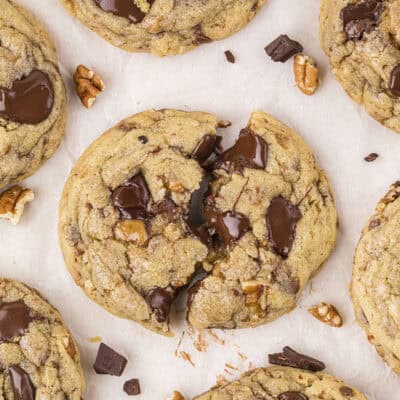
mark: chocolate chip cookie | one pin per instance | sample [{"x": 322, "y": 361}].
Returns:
[
  {"x": 32, "y": 95},
  {"x": 375, "y": 287},
  {"x": 362, "y": 40},
  {"x": 156, "y": 205},
  {"x": 163, "y": 26},
  {"x": 38, "y": 356}
]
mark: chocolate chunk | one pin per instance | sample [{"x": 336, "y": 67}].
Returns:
[
  {"x": 394, "y": 84},
  {"x": 290, "y": 358},
  {"x": 133, "y": 199},
  {"x": 230, "y": 57},
  {"x": 132, "y": 387},
  {"x": 14, "y": 320},
  {"x": 371, "y": 157},
  {"x": 21, "y": 383},
  {"x": 143, "y": 139},
  {"x": 29, "y": 100},
  {"x": 167, "y": 207},
  {"x": 160, "y": 301},
  {"x": 346, "y": 391},
  {"x": 199, "y": 36},
  {"x": 123, "y": 8},
  {"x": 249, "y": 151},
  {"x": 282, "y": 218},
  {"x": 374, "y": 224},
  {"x": 109, "y": 362},
  {"x": 283, "y": 48},
  {"x": 292, "y": 396},
  {"x": 205, "y": 148},
  {"x": 361, "y": 18}
]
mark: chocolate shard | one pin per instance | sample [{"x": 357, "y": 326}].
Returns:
[
  {"x": 109, "y": 362},
  {"x": 21, "y": 383},
  {"x": 283, "y": 48},
  {"x": 205, "y": 148},
  {"x": 290, "y": 358},
  {"x": 132, "y": 387},
  {"x": 292, "y": 396},
  {"x": 394, "y": 84},
  {"x": 230, "y": 57},
  {"x": 123, "y": 8},
  {"x": 360, "y": 18},
  {"x": 160, "y": 301},
  {"x": 14, "y": 320},
  {"x": 371, "y": 157}
]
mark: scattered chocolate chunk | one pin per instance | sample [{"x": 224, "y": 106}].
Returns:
[
  {"x": 21, "y": 383},
  {"x": 123, "y": 8},
  {"x": 292, "y": 396},
  {"x": 14, "y": 320},
  {"x": 132, "y": 387},
  {"x": 230, "y": 57},
  {"x": 394, "y": 84},
  {"x": 371, "y": 157},
  {"x": 290, "y": 358},
  {"x": 249, "y": 151},
  {"x": 29, "y": 100},
  {"x": 205, "y": 148},
  {"x": 109, "y": 362},
  {"x": 346, "y": 391},
  {"x": 167, "y": 207},
  {"x": 143, "y": 139},
  {"x": 160, "y": 301},
  {"x": 224, "y": 124},
  {"x": 283, "y": 48},
  {"x": 361, "y": 18},
  {"x": 282, "y": 218}
]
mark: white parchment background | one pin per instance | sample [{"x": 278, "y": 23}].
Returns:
[{"x": 339, "y": 132}]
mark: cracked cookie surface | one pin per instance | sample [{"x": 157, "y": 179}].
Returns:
[
  {"x": 32, "y": 95},
  {"x": 361, "y": 39},
  {"x": 375, "y": 285},
  {"x": 163, "y": 26},
  {"x": 283, "y": 384},
  {"x": 38, "y": 356}
]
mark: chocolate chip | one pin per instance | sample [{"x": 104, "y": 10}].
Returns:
[
  {"x": 109, "y": 362},
  {"x": 292, "y": 396},
  {"x": 283, "y": 48},
  {"x": 29, "y": 100},
  {"x": 371, "y": 157},
  {"x": 205, "y": 148},
  {"x": 132, "y": 387},
  {"x": 361, "y": 18},
  {"x": 133, "y": 199},
  {"x": 374, "y": 224},
  {"x": 143, "y": 139},
  {"x": 249, "y": 151},
  {"x": 282, "y": 218},
  {"x": 123, "y": 8},
  {"x": 230, "y": 57},
  {"x": 346, "y": 391},
  {"x": 160, "y": 301},
  {"x": 290, "y": 358},
  {"x": 21, "y": 383},
  {"x": 14, "y": 319},
  {"x": 394, "y": 84}
]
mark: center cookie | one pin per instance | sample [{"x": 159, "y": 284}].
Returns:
[{"x": 155, "y": 201}]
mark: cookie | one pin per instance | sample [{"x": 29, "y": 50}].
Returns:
[
  {"x": 375, "y": 287},
  {"x": 155, "y": 205},
  {"x": 38, "y": 355},
  {"x": 32, "y": 95},
  {"x": 163, "y": 27},
  {"x": 362, "y": 40}
]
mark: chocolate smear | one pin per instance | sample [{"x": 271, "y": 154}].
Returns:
[
  {"x": 109, "y": 362},
  {"x": 160, "y": 301},
  {"x": 123, "y": 8},
  {"x": 290, "y": 358},
  {"x": 292, "y": 396},
  {"x": 14, "y": 320},
  {"x": 21, "y": 383},
  {"x": 283, "y": 48}
]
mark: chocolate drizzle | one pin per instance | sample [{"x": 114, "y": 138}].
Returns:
[
  {"x": 123, "y": 8},
  {"x": 21, "y": 383},
  {"x": 14, "y": 320}
]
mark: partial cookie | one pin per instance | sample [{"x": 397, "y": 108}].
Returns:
[
  {"x": 163, "y": 27},
  {"x": 38, "y": 355},
  {"x": 32, "y": 95},
  {"x": 375, "y": 286},
  {"x": 155, "y": 202},
  {"x": 362, "y": 41}
]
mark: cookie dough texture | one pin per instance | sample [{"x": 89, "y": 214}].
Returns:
[
  {"x": 375, "y": 286},
  {"x": 363, "y": 67},
  {"x": 270, "y": 383},
  {"x": 45, "y": 350},
  {"x": 26, "y": 47},
  {"x": 169, "y": 27}
]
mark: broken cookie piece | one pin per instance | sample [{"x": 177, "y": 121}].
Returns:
[{"x": 13, "y": 201}]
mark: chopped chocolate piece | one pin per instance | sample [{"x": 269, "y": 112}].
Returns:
[
  {"x": 205, "y": 148},
  {"x": 290, "y": 358},
  {"x": 282, "y": 218},
  {"x": 14, "y": 320},
  {"x": 160, "y": 301},
  {"x": 166, "y": 206},
  {"x": 361, "y": 18},
  {"x": 123, "y": 8},
  {"x": 283, "y": 48},
  {"x": 21, "y": 383},
  {"x": 292, "y": 396},
  {"x": 230, "y": 57},
  {"x": 394, "y": 84},
  {"x": 109, "y": 362},
  {"x": 346, "y": 391},
  {"x": 371, "y": 157},
  {"x": 132, "y": 387},
  {"x": 199, "y": 36},
  {"x": 29, "y": 100},
  {"x": 374, "y": 224},
  {"x": 143, "y": 139}
]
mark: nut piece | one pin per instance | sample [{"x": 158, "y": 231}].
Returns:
[
  {"x": 306, "y": 74},
  {"x": 12, "y": 203},
  {"x": 88, "y": 85},
  {"x": 132, "y": 230},
  {"x": 176, "y": 396},
  {"x": 327, "y": 314}
]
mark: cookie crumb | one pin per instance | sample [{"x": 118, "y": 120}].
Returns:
[
  {"x": 176, "y": 396},
  {"x": 371, "y": 157},
  {"x": 95, "y": 339},
  {"x": 230, "y": 57}
]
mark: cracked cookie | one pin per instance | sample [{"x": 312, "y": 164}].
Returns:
[
  {"x": 163, "y": 27},
  {"x": 38, "y": 356},
  {"x": 32, "y": 95},
  {"x": 362, "y": 40},
  {"x": 155, "y": 204},
  {"x": 375, "y": 287}
]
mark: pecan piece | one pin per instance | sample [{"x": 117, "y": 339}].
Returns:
[
  {"x": 12, "y": 203},
  {"x": 88, "y": 85},
  {"x": 306, "y": 74},
  {"x": 176, "y": 396},
  {"x": 132, "y": 230},
  {"x": 328, "y": 314}
]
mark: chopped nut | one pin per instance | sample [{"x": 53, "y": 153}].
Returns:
[
  {"x": 132, "y": 231},
  {"x": 12, "y": 203},
  {"x": 176, "y": 396},
  {"x": 327, "y": 314},
  {"x": 306, "y": 74},
  {"x": 88, "y": 85}
]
